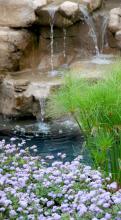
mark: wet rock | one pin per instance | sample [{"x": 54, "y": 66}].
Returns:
[
  {"x": 49, "y": 13},
  {"x": 1, "y": 78},
  {"x": 77, "y": 46},
  {"x": 21, "y": 98},
  {"x": 118, "y": 38},
  {"x": 111, "y": 40}
]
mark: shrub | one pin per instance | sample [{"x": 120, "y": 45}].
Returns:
[{"x": 31, "y": 189}]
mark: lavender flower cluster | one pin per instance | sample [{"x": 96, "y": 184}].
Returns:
[{"x": 32, "y": 190}]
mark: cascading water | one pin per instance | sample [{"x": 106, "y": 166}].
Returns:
[
  {"x": 52, "y": 12},
  {"x": 102, "y": 58},
  {"x": 99, "y": 46},
  {"x": 90, "y": 24},
  {"x": 64, "y": 42},
  {"x": 42, "y": 107},
  {"x": 104, "y": 42}
]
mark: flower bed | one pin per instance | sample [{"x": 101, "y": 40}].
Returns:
[{"x": 30, "y": 189}]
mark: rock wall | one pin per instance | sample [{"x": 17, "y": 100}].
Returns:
[
  {"x": 16, "y": 40},
  {"x": 25, "y": 47},
  {"x": 18, "y": 20}
]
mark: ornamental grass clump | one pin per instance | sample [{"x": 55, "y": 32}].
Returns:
[
  {"x": 97, "y": 109},
  {"x": 32, "y": 190}
]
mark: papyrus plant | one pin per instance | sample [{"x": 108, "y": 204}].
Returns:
[{"x": 96, "y": 107}]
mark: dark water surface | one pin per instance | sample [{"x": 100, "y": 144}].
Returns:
[{"x": 60, "y": 137}]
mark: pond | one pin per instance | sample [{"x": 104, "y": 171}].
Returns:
[{"x": 61, "y": 136}]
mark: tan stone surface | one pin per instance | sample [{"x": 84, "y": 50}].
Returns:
[
  {"x": 115, "y": 25},
  {"x": 69, "y": 8},
  {"x": 16, "y": 13},
  {"x": 21, "y": 98},
  {"x": 39, "y": 3},
  {"x": 95, "y": 4},
  {"x": 12, "y": 45},
  {"x": 115, "y": 20}
]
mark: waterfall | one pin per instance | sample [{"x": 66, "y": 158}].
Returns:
[
  {"x": 103, "y": 33},
  {"x": 42, "y": 107},
  {"x": 90, "y": 24},
  {"x": 64, "y": 42},
  {"x": 52, "y": 12}
]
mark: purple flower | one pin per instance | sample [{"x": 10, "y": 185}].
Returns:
[
  {"x": 23, "y": 203},
  {"x": 50, "y": 203},
  {"x": 107, "y": 216},
  {"x": 113, "y": 186},
  {"x": 12, "y": 213},
  {"x": 56, "y": 216}
]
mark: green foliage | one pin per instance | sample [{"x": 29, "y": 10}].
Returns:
[{"x": 97, "y": 109}]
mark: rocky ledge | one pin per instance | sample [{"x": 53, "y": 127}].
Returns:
[{"x": 24, "y": 98}]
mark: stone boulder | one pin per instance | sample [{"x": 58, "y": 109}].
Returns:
[
  {"x": 19, "y": 13},
  {"x": 94, "y": 4},
  {"x": 69, "y": 9},
  {"x": 115, "y": 20},
  {"x": 115, "y": 26},
  {"x": 13, "y": 44},
  {"x": 39, "y": 3},
  {"x": 66, "y": 13}
]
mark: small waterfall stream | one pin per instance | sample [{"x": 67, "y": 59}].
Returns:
[
  {"x": 90, "y": 24},
  {"x": 104, "y": 41},
  {"x": 52, "y": 12},
  {"x": 42, "y": 107},
  {"x": 64, "y": 42}
]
